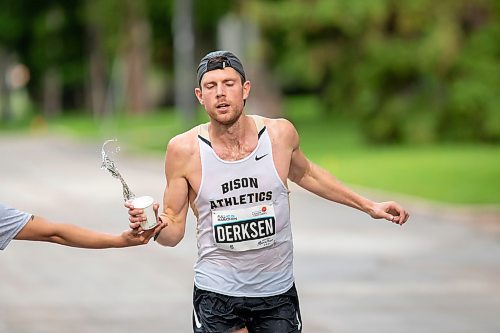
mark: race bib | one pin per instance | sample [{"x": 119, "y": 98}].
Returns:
[{"x": 244, "y": 229}]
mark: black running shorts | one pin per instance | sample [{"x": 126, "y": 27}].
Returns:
[{"x": 219, "y": 313}]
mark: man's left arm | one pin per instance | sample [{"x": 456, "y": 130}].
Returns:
[{"x": 317, "y": 180}]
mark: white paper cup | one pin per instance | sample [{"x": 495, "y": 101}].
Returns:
[{"x": 146, "y": 203}]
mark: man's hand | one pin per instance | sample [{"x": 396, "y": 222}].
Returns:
[
  {"x": 391, "y": 211},
  {"x": 136, "y": 216}
]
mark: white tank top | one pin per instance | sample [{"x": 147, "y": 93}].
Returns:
[{"x": 243, "y": 231}]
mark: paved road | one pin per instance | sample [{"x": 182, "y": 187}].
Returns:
[{"x": 438, "y": 273}]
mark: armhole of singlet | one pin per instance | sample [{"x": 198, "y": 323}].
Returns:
[
  {"x": 261, "y": 127},
  {"x": 259, "y": 123},
  {"x": 203, "y": 134}
]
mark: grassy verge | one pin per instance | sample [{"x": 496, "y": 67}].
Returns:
[
  {"x": 449, "y": 173},
  {"x": 139, "y": 133},
  {"x": 452, "y": 174}
]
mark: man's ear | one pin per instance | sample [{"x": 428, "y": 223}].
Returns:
[
  {"x": 199, "y": 95},
  {"x": 247, "y": 85}
]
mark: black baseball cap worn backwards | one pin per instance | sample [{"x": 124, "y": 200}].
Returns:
[{"x": 219, "y": 60}]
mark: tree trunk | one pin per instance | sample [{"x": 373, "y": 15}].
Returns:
[
  {"x": 52, "y": 93},
  {"x": 97, "y": 81},
  {"x": 243, "y": 38},
  {"x": 137, "y": 57},
  {"x": 184, "y": 66},
  {"x": 5, "y": 106}
]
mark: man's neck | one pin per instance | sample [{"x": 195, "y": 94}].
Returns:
[
  {"x": 233, "y": 134},
  {"x": 232, "y": 142}
]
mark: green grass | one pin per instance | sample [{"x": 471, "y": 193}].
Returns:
[
  {"x": 452, "y": 174},
  {"x": 148, "y": 133},
  {"x": 448, "y": 173}
]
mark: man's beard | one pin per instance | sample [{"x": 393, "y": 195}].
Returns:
[{"x": 229, "y": 121}]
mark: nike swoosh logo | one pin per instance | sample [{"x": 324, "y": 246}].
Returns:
[
  {"x": 260, "y": 157},
  {"x": 196, "y": 320}
]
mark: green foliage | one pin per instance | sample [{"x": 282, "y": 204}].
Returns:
[
  {"x": 409, "y": 71},
  {"x": 79, "y": 39},
  {"x": 475, "y": 88},
  {"x": 419, "y": 71},
  {"x": 45, "y": 35}
]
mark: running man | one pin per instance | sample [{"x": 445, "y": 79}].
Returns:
[
  {"x": 15, "y": 224},
  {"x": 233, "y": 172}
]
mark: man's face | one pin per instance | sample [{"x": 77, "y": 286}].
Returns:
[{"x": 222, "y": 94}]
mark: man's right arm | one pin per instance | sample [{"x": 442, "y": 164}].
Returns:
[{"x": 175, "y": 197}]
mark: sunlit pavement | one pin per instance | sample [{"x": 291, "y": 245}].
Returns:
[{"x": 438, "y": 273}]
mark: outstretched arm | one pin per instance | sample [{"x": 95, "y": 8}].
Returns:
[
  {"x": 41, "y": 229},
  {"x": 320, "y": 182}
]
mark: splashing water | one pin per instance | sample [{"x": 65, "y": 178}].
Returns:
[{"x": 109, "y": 165}]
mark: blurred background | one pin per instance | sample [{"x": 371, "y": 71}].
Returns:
[
  {"x": 399, "y": 99},
  {"x": 398, "y": 96}
]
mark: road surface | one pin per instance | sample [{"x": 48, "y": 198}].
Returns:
[{"x": 438, "y": 273}]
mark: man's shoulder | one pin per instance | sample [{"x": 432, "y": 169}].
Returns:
[
  {"x": 275, "y": 122},
  {"x": 184, "y": 142},
  {"x": 185, "y": 137},
  {"x": 278, "y": 126}
]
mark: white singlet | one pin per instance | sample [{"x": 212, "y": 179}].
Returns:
[{"x": 243, "y": 231}]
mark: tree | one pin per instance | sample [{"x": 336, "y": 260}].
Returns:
[
  {"x": 183, "y": 58},
  {"x": 409, "y": 71}
]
